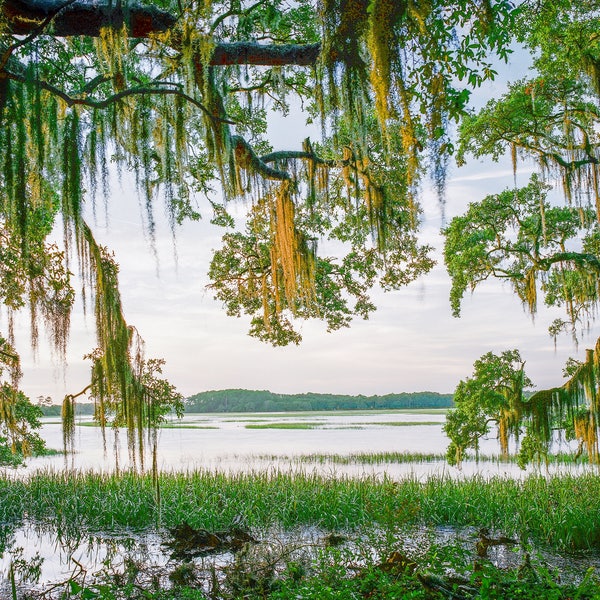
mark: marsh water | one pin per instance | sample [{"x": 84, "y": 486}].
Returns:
[
  {"x": 281, "y": 441},
  {"x": 238, "y": 443}
]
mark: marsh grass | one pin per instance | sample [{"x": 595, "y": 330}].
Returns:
[
  {"x": 360, "y": 458},
  {"x": 403, "y": 423},
  {"x": 317, "y": 425},
  {"x": 168, "y": 425},
  {"x": 176, "y": 425},
  {"x": 284, "y": 425},
  {"x": 561, "y": 511},
  {"x": 376, "y": 458}
]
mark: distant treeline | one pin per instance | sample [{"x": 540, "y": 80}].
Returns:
[
  {"x": 54, "y": 410},
  {"x": 264, "y": 401}
]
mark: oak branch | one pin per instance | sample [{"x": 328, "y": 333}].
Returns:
[{"x": 78, "y": 17}]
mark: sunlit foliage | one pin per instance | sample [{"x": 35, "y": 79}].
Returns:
[
  {"x": 178, "y": 95},
  {"x": 552, "y": 118},
  {"x": 520, "y": 237},
  {"x": 18, "y": 416},
  {"x": 544, "y": 244},
  {"x": 493, "y": 395}
]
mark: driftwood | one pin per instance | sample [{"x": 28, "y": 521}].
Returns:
[{"x": 188, "y": 542}]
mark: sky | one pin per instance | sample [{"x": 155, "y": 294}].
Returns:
[{"x": 411, "y": 343}]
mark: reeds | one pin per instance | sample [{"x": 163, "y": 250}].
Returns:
[{"x": 560, "y": 511}]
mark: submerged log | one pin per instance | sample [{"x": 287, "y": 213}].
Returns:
[{"x": 188, "y": 542}]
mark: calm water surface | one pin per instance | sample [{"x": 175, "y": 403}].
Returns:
[{"x": 227, "y": 443}]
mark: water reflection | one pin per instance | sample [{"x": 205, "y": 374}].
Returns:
[
  {"x": 47, "y": 561},
  {"x": 228, "y": 443}
]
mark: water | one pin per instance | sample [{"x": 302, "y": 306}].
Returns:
[{"x": 224, "y": 442}]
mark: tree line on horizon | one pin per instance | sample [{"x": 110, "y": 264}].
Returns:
[
  {"x": 240, "y": 400},
  {"x": 265, "y": 401}
]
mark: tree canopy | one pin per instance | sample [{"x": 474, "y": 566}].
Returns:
[
  {"x": 178, "y": 94},
  {"x": 552, "y": 119},
  {"x": 544, "y": 243}
]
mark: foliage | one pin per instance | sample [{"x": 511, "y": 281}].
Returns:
[
  {"x": 368, "y": 536},
  {"x": 124, "y": 384},
  {"x": 379, "y": 565},
  {"x": 278, "y": 280},
  {"x": 519, "y": 237},
  {"x": 114, "y": 93},
  {"x": 177, "y": 94},
  {"x": 264, "y": 401},
  {"x": 556, "y": 511},
  {"x": 552, "y": 119},
  {"x": 494, "y": 394},
  {"x": 18, "y": 416}
]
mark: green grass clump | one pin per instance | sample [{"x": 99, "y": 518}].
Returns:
[
  {"x": 362, "y": 458},
  {"x": 560, "y": 511}
]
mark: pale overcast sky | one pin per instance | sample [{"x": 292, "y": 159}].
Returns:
[{"x": 410, "y": 343}]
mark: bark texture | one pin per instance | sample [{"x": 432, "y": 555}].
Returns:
[
  {"x": 84, "y": 18},
  {"x": 87, "y": 18}
]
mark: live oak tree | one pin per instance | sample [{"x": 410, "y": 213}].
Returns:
[
  {"x": 493, "y": 395},
  {"x": 499, "y": 393},
  {"x": 517, "y": 235},
  {"x": 178, "y": 95},
  {"x": 543, "y": 244}
]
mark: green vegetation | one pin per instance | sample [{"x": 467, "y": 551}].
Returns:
[
  {"x": 545, "y": 245},
  {"x": 496, "y": 393},
  {"x": 283, "y": 425},
  {"x": 175, "y": 95},
  {"x": 19, "y": 418},
  {"x": 375, "y": 458},
  {"x": 378, "y": 536},
  {"x": 371, "y": 531},
  {"x": 369, "y": 458},
  {"x": 305, "y": 425},
  {"x": 380, "y": 569},
  {"x": 558, "y": 511},
  {"x": 240, "y": 401}
]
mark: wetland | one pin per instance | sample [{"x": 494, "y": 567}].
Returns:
[{"x": 351, "y": 505}]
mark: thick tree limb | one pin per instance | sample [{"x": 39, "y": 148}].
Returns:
[
  {"x": 280, "y": 155},
  {"x": 581, "y": 259},
  {"x": 86, "y": 18},
  {"x": 248, "y": 159},
  {"x": 251, "y": 53}
]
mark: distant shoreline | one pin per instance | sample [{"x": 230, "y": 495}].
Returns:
[
  {"x": 242, "y": 401},
  {"x": 263, "y": 401}
]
